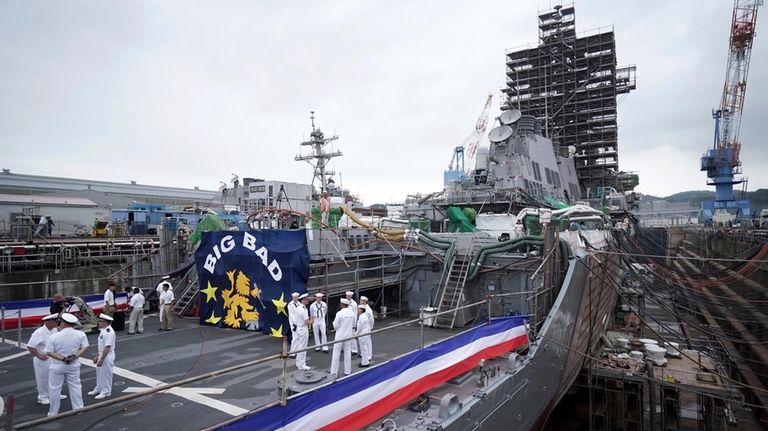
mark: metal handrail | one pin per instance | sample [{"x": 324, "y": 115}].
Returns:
[{"x": 283, "y": 355}]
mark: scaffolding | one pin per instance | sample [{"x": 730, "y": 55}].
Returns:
[{"x": 570, "y": 83}]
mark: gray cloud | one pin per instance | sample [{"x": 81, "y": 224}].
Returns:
[{"x": 179, "y": 93}]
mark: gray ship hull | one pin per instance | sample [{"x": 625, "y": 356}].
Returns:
[{"x": 524, "y": 396}]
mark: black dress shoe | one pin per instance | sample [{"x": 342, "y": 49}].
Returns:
[{"x": 364, "y": 366}]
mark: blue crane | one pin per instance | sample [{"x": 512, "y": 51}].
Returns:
[{"x": 722, "y": 162}]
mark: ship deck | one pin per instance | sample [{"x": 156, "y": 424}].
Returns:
[{"x": 154, "y": 358}]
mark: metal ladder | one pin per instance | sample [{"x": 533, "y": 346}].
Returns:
[
  {"x": 189, "y": 292},
  {"x": 453, "y": 290}
]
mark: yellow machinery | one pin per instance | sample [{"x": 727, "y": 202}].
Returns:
[{"x": 100, "y": 228}]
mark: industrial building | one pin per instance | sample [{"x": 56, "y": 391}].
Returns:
[
  {"x": 277, "y": 194},
  {"x": 111, "y": 192},
  {"x": 570, "y": 82}
]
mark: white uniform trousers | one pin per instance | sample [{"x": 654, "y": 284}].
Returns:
[
  {"x": 104, "y": 375},
  {"x": 370, "y": 348},
  {"x": 59, "y": 372},
  {"x": 318, "y": 330},
  {"x": 301, "y": 336},
  {"x": 137, "y": 318},
  {"x": 365, "y": 349},
  {"x": 41, "y": 377},
  {"x": 294, "y": 340},
  {"x": 337, "y": 349}
]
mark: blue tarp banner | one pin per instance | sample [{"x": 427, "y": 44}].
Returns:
[{"x": 247, "y": 277}]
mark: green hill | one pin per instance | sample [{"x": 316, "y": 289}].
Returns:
[{"x": 758, "y": 198}]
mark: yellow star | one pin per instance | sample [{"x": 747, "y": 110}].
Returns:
[
  {"x": 277, "y": 332},
  {"x": 280, "y": 304},
  {"x": 213, "y": 319},
  {"x": 210, "y": 292}
]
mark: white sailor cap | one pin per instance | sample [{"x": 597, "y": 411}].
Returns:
[
  {"x": 165, "y": 277},
  {"x": 363, "y": 298},
  {"x": 103, "y": 316},
  {"x": 303, "y": 295},
  {"x": 345, "y": 301},
  {"x": 51, "y": 317},
  {"x": 69, "y": 318},
  {"x": 319, "y": 295},
  {"x": 350, "y": 293},
  {"x": 295, "y": 295}
]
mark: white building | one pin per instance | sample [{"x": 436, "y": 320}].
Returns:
[
  {"x": 262, "y": 195},
  {"x": 19, "y": 212}
]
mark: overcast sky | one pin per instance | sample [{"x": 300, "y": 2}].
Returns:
[{"x": 184, "y": 93}]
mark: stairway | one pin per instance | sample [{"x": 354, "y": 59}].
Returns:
[
  {"x": 188, "y": 292},
  {"x": 453, "y": 290}
]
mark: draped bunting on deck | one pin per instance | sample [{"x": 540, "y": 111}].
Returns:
[
  {"x": 359, "y": 400},
  {"x": 247, "y": 277}
]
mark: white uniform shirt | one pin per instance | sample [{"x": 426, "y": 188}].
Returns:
[
  {"x": 293, "y": 311},
  {"x": 109, "y": 297},
  {"x": 363, "y": 324},
  {"x": 318, "y": 311},
  {"x": 301, "y": 316},
  {"x": 353, "y": 306},
  {"x": 66, "y": 342},
  {"x": 369, "y": 314},
  {"x": 40, "y": 338},
  {"x": 107, "y": 338},
  {"x": 137, "y": 301},
  {"x": 166, "y": 297},
  {"x": 344, "y": 323}
]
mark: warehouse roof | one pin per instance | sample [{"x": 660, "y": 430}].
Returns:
[{"x": 46, "y": 200}]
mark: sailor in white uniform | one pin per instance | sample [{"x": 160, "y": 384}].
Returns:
[
  {"x": 369, "y": 314},
  {"x": 319, "y": 313},
  {"x": 65, "y": 348},
  {"x": 136, "y": 305},
  {"x": 104, "y": 359},
  {"x": 344, "y": 324},
  {"x": 363, "y": 327},
  {"x": 40, "y": 361},
  {"x": 353, "y": 307},
  {"x": 293, "y": 307},
  {"x": 165, "y": 280},
  {"x": 301, "y": 331}
]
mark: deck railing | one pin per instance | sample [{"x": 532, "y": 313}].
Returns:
[{"x": 283, "y": 356}]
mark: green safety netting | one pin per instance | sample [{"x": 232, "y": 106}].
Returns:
[
  {"x": 459, "y": 221},
  {"x": 555, "y": 203},
  {"x": 210, "y": 222}
]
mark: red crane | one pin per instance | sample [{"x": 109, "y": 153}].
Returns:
[{"x": 722, "y": 162}]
